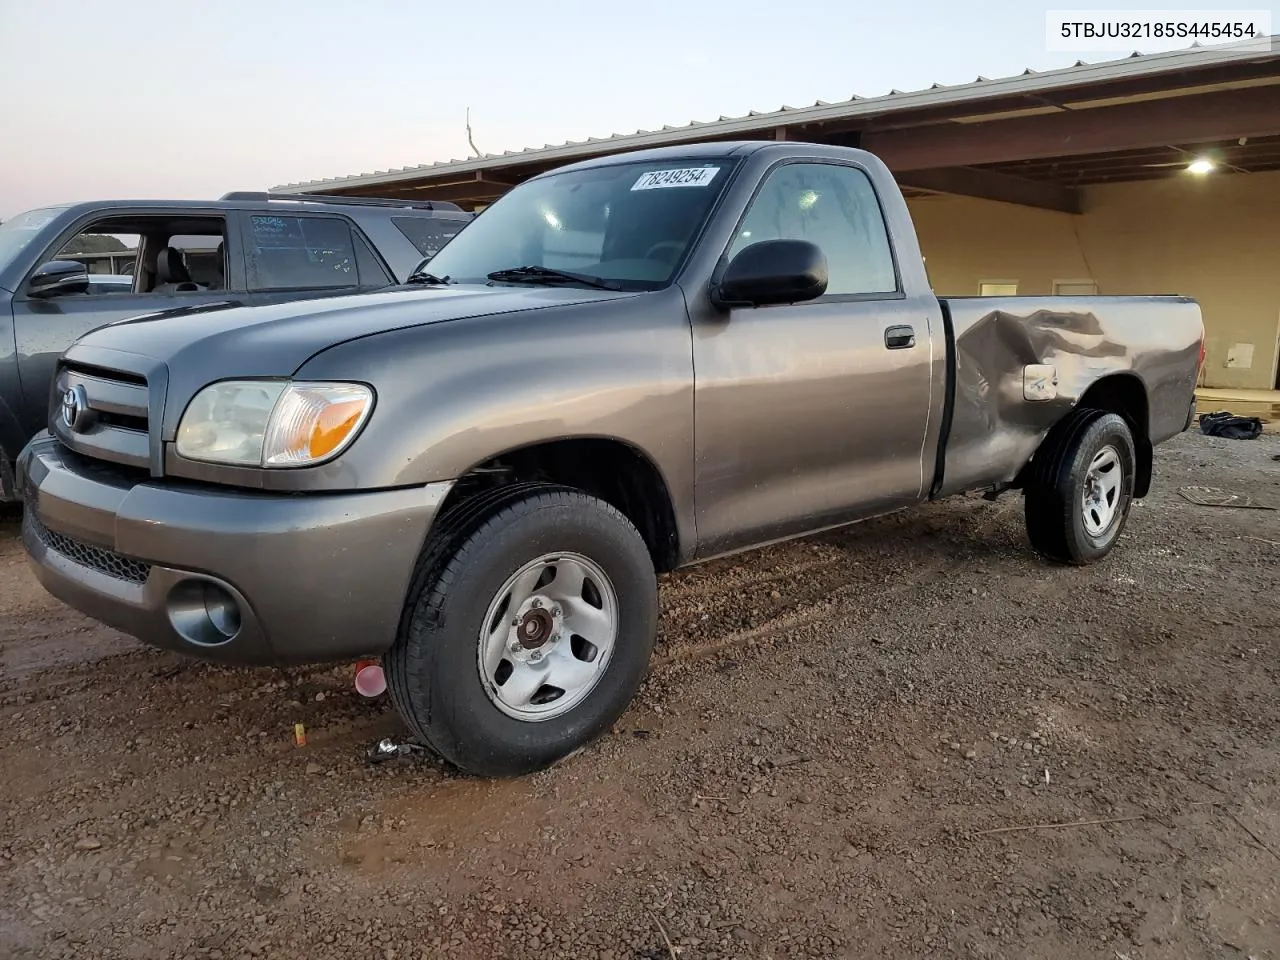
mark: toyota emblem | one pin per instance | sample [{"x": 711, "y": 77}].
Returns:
[{"x": 75, "y": 409}]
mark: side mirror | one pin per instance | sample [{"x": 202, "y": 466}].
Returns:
[
  {"x": 774, "y": 271},
  {"x": 58, "y": 277}
]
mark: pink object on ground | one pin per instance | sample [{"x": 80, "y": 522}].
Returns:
[{"x": 370, "y": 680}]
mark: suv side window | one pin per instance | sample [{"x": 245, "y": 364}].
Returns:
[
  {"x": 373, "y": 273},
  {"x": 103, "y": 253},
  {"x": 428, "y": 234},
  {"x": 834, "y": 206},
  {"x": 149, "y": 254},
  {"x": 205, "y": 257},
  {"x": 299, "y": 253}
]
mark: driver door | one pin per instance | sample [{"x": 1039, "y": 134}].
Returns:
[{"x": 809, "y": 415}]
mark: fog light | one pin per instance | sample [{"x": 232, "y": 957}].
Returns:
[{"x": 204, "y": 613}]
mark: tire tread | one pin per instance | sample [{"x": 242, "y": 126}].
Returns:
[
  {"x": 444, "y": 559},
  {"x": 1049, "y": 496}
]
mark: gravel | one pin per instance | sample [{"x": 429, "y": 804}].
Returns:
[{"x": 830, "y": 728}]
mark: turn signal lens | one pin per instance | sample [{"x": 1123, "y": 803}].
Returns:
[{"x": 314, "y": 422}]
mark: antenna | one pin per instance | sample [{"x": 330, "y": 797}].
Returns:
[{"x": 470, "y": 140}]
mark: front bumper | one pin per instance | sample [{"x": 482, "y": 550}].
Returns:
[{"x": 227, "y": 575}]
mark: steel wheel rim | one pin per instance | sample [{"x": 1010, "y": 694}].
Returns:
[
  {"x": 1102, "y": 491},
  {"x": 550, "y": 627}
]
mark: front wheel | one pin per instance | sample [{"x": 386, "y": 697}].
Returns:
[
  {"x": 1081, "y": 488},
  {"x": 531, "y": 638}
]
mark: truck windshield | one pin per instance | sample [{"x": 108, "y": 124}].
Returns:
[
  {"x": 629, "y": 224},
  {"x": 17, "y": 232}
]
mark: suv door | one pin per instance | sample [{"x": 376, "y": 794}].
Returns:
[
  {"x": 45, "y": 327},
  {"x": 812, "y": 414}
]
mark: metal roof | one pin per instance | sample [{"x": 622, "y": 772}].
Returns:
[{"x": 1029, "y": 82}]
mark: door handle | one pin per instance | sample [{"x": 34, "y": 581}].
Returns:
[{"x": 900, "y": 338}]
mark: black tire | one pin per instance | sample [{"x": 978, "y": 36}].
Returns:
[
  {"x": 1055, "y": 511},
  {"x": 432, "y": 670}
]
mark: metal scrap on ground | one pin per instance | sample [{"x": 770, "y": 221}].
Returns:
[{"x": 1213, "y": 497}]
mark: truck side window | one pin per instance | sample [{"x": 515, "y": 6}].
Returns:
[
  {"x": 835, "y": 207},
  {"x": 300, "y": 253}
]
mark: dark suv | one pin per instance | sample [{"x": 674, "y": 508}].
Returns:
[{"x": 66, "y": 270}]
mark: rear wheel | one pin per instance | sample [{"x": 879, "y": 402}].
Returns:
[
  {"x": 530, "y": 638},
  {"x": 1081, "y": 488}
]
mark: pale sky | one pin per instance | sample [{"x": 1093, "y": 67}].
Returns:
[{"x": 147, "y": 99}]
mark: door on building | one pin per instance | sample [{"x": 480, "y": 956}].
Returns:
[
  {"x": 998, "y": 288},
  {"x": 1074, "y": 288}
]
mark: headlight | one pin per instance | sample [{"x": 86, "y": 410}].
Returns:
[{"x": 273, "y": 423}]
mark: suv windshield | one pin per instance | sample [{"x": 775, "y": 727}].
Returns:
[
  {"x": 628, "y": 223},
  {"x": 17, "y": 232}
]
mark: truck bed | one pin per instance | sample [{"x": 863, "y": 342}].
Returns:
[{"x": 990, "y": 427}]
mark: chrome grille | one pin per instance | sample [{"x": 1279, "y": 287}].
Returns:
[
  {"x": 102, "y": 413},
  {"x": 106, "y": 561}
]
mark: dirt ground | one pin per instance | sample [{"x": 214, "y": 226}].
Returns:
[{"x": 856, "y": 745}]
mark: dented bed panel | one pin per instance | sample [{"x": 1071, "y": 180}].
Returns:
[{"x": 1023, "y": 362}]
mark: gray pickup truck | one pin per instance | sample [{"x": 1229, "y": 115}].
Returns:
[{"x": 622, "y": 367}]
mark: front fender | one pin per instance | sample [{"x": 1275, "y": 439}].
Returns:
[{"x": 456, "y": 394}]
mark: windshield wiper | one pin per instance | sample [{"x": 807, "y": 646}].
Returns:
[
  {"x": 429, "y": 278},
  {"x": 535, "y": 274}
]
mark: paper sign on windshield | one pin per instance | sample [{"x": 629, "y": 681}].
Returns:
[{"x": 687, "y": 177}]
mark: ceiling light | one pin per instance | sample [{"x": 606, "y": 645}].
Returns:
[{"x": 1200, "y": 166}]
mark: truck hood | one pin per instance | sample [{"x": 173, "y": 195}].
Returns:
[{"x": 231, "y": 340}]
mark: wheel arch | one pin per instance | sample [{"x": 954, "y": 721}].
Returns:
[
  {"x": 1126, "y": 395},
  {"x": 618, "y": 472}
]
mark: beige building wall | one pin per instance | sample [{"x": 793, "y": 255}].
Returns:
[{"x": 1215, "y": 238}]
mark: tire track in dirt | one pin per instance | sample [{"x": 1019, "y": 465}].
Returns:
[{"x": 695, "y": 627}]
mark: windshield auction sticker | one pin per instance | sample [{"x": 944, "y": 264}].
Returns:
[{"x": 688, "y": 177}]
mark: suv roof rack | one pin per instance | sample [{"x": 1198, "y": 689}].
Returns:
[{"x": 260, "y": 195}]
